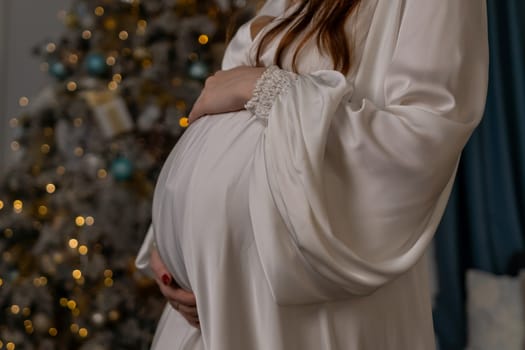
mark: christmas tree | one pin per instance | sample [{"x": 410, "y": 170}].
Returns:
[{"x": 75, "y": 206}]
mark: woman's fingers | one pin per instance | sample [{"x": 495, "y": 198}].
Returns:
[{"x": 178, "y": 295}]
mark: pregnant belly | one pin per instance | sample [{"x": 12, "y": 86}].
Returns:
[{"x": 200, "y": 206}]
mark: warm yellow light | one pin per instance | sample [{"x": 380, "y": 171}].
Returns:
[
  {"x": 112, "y": 85},
  {"x": 73, "y": 58},
  {"x": 74, "y": 327},
  {"x": 142, "y": 24},
  {"x": 146, "y": 63},
  {"x": 18, "y": 205},
  {"x": 45, "y": 148},
  {"x": 63, "y": 302},
  {"x": 79, "y": 151},
  {"x": 42, "y": 210},
  {"x": 102, "y": 173},
  {"x": 26, "y": 312},
  {"x": 28, "y": 323},
  {"x": 43, "y": 280},
  {"x": 1, "y": 282},
  {"x": 13, "y": 122},
  {"x": 83, "y": 250},
  {"x": 83, "y": 332},
  {"x": 29, "y": 329},
  {"x": 75, "y": 312},
  {"x": 8, "y": 233},
  {"x": 71, "y": 304},
  {"x": 51, "y": 47},
  {"x": 36, "y": 282},
  {"x": 15, "y": 309},
  {"x": 23, "y": 101},
  {"x": 80, "y": 221},
  {"x": 110, "y": 23},
  {"x": 108, "y": 273},
  {"x": 73, "y": 243},
  {"x": 76, "y": 274},
  {"x": 117, "y": 77},
  {"x": 123, "y": 35},
  {"x": 86, "y": 34},
  {"x": 53, "y": 332},
  {"x": 61, "y": 170},
  {"x": 110, "y": 61},
  {"x": 50, "y": 188},
  {"x": 184, "y": 122},
  {"x": 203, "y": 39},
  {"x": 15, "y": 146},
  {"x": 78, "y": 122},
  {"x": 99, "y": 11},
  {"x": 90, "y": 221},
  {"x": 114, "y": 315},
  {"x": 108, "y": 282},
  {"x": 10, "y": 346},
  {"x": 1, "y": 205},
  {"x": 71, "y": 86}
]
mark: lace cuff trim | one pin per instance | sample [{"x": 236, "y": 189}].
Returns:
[{"x": 273, "y": 82}]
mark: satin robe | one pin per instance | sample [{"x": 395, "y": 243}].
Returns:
[{"x": 306, "y": 230}]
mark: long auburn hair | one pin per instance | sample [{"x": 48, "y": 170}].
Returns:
[{"x": 324, "y": 19}]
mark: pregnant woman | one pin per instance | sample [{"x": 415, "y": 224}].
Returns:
[{"x": 295, "y": 210}]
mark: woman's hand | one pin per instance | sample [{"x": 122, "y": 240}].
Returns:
[
  {"x": 226, "y": 91},
  {"x": 181, "y": 300}
]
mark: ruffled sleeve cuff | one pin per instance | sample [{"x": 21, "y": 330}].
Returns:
[{"x": 272, "y": 83}]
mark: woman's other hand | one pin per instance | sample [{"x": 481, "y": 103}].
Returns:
[
  {"x": 181, "y": 300},
  {"x": 226, "y": 91}
]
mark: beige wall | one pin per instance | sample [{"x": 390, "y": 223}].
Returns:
[{"x": 23, "y": 23}]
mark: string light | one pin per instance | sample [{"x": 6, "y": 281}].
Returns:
[
  {"x": 10, "y": 346},
  {"x": 45, "y": 148},
  {"x": 1, "y": 205},
  {"x": 8, "y": 233},
  {"x": 99, "y": 11},
  {"x": 75, "y": 312},
  {"x": 73, "y": 58},
  {"x": 26, "y": 311},
  {"x": 90, "y": 220},
  {"x": 112, "y": 85},
  {"x": 108, "y": 282},
  {"x": 83, "y": 250},
  {"x": 53, "y": 332},
  {"x": 13, "y": 122},
  {"x": 61, "y": 170},
  {"x": 77, "y": 274},
  {"x": 71, "y": 304},
  {"x": 42, "y": 210},
  {"x": 77, "y": 122},
  {"x": 73, "y": 243},
  {"x": 50, "y": 188},
  {"x": 23, "y": 101},
  {"x": 51, "y": 47},
  {"x": 18, "y": 205},
  {"x": 117, "y": 77},
  {"x": 48, "y": 131},
  {"x": 111, "y": 60},
  {"x": 113, "y": 315},
  {"x": 71, "y": 86},
  {"x": 15, "y": 309},
  {"x": 203, "y": 39},
  {"x": 184, "y": 122},
  {"x": 79, "y": 151},
  {"x": 123, "y": 35},
  {"x": 86, "y": 35},
  {"x": 1, "y": 282},
  {"x": 102, "y": 173},
  {"x": 108, "y": 273},
  {"x": 83, "y": 332},
  {"x": 63, "y": 302},
  {"x": 15, "y": 146},
  {"x": 74, "y": 328},
  {"x": 80, "y": 221}
]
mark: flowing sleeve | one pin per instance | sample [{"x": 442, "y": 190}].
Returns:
[
  {"x": 142, "y": 260},
  {"x": 346, "y": 195}
]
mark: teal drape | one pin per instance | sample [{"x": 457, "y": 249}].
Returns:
[{"x": 484, "y": 224}]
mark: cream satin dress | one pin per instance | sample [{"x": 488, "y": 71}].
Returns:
[{"x": 305, "y": 230}]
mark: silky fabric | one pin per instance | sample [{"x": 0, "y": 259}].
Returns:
[{"x": 306, "y": 230}]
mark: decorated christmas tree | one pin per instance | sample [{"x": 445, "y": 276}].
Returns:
[{"x": 76, "y": 204}]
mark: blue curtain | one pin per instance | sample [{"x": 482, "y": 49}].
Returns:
[{"x": 484, "y": 224}]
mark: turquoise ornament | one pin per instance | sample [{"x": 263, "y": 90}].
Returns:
[{"x": 121, "y": 169}]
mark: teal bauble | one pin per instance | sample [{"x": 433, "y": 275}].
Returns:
[
  {"x": 121, "y": 169},
  {"x": 95, "y": 64},
  {"x": 58, "y": 70},
  {"x": 199, "y": 70}
]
